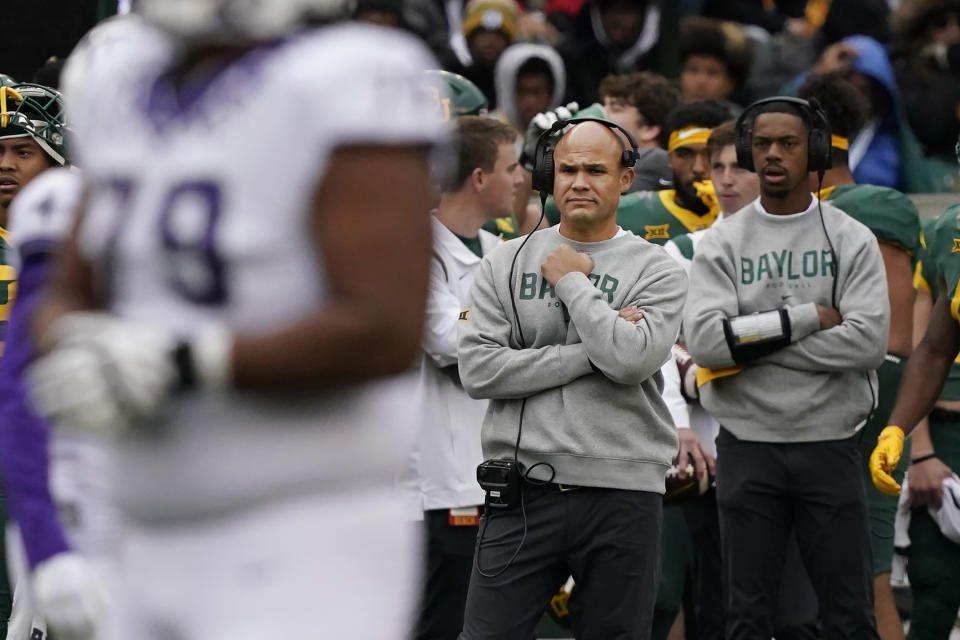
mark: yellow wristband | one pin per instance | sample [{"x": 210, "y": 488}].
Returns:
[{"x": 887, "y": 432}]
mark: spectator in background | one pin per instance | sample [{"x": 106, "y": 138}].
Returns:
[
  {"x": 489, "y": 27},
  {"x": 422, "y": 18},
  {"x": 529, "y": 78},
  {"x": 611, "y": 36},
  {"x": 715, "y": 58},
  {"x": 781, "y": 15},
  {"x": 885, "y": 152},
  {"x": 926, "y": 59},
  {"x": 778, "y": 59},
  {"x": 640, "y": 103}
]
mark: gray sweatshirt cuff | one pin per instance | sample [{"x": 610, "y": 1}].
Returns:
[
  {"x": 804, "y": 320},
  {"x": 569, "y": 284}
]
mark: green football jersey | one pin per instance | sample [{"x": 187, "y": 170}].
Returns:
[
  {"x": 653, "y": 215},
  {"x": 8, "y": 285},
  {"x": 889, "y": 214},
  {"x": 940, "y": 253},
  {"x": 506, "y": 227}
]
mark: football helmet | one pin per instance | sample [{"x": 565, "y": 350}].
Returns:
[
  {"x": 234, "y": 21},
  {"x": 456, "y": 96},
  {"x": 34, "y": 110}
]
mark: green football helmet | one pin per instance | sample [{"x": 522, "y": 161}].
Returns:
[
  {"x": 456, "y": 96},
  {"x": 28, "y": 109}
]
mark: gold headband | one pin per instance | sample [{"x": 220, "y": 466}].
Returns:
[
  {"x": 688, "y": 136},
  {"x": 839, "y": 142}
]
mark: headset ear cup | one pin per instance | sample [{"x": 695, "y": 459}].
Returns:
[
  {"x": 819, "y": 152},
  {"x": 543, "y": 169},
  {"x": 742, "y": 147}
]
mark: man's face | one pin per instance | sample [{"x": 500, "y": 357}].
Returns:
[
  {"x": 779, "y": 147},
  {"x": 735, "y": 187},
  {"x": 589, "y": 177},
  {"x": 533, "y": 96},
  {"x": 500, "y": 185},
  {"x": 486, "y": 45},
  {"x": 622, "y": 21},
  {"x": 705, "y": 78},
  {"x": 689, "y": 164},
  {"x": 21, "y": 160}
]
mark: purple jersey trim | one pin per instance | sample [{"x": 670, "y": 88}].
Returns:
[
  {"x": 24, "y": 436},
  {"x": 165, "y": 104}
]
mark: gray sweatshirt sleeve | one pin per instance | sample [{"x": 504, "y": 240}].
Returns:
[
  {"x": 714, "y": 298},
  {"x": 860, "y": 341},
  {"x": 490, "y": 367},
  {"x": 628, "y": 353}
]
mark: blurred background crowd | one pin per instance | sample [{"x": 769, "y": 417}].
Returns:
[{"x": 528, "y": 56}]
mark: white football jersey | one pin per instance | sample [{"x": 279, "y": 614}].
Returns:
[
  {"x": 200, "y": 212},
  {"x": 44, "y": 213}
]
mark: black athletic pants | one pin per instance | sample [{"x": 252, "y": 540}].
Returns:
[
  {"x": 765, "y": 490},
  {"x": 607, "y": 539},
  {"x": 447, "y": 576}
]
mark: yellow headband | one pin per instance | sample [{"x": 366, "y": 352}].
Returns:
[
  {"x": 839, "y": 142},
  {"x": 688, "y": 136}
]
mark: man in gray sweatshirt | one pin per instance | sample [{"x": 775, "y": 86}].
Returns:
[
  {"x": 566, "y": 338},
  {"x": 788, "y": 318}
]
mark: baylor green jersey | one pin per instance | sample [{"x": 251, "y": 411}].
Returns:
[
  {"x": 505, "y": 227},
  {"x": 8, "y": 285},
  {"x": 885, "y": 211},
  {"x": 655, "y": 216},
  {"x": 941, "y": 244}
]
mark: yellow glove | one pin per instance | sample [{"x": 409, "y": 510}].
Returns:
[
  {"x": 707, "y": 195},
  {"x": 884, "y": 459}
]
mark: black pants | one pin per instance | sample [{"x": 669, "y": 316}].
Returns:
[
  {"x": 607, "y": 539},
  {"x": 796, "y": 616},
  {"x": 447, "y": 576},
  {"x": 764, "y": 491}
]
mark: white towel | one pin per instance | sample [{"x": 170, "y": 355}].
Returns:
[{"x": 947, "y": 516}]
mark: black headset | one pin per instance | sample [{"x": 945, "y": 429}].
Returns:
[
  {"x": 819, "y": 157},
  {"x": 543, "y": 154}
]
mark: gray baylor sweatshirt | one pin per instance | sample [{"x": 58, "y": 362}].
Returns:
[
  {"x": 819, "y": 386},
  {"x": 591, "y": 379}
]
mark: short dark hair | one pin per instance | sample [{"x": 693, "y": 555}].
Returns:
[
  {"x": 721, "y": 136},
  {"x": 476, "y": 141},
  {"x": 537, "y": 67},
  {"x": 653, "y": 95},
  {"x": 846, "y": 108},
  {"x": 777, "y": 106},
  {"x": 703, "y": 113},
  {"x": 718, "y": 39}
]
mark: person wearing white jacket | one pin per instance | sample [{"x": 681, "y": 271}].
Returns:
[{"x": 483, "y": 187}]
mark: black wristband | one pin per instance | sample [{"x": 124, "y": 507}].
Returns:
[{"x": 923, "y": 458}]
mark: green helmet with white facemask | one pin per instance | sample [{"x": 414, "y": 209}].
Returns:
[
  {"x": 36, "y": 111},
  {"x": 456, "y": 96}
]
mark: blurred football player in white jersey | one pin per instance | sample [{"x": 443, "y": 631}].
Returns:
[
  {"x": 248, "y": 275},
  {"x": 56, "y": 486}
]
